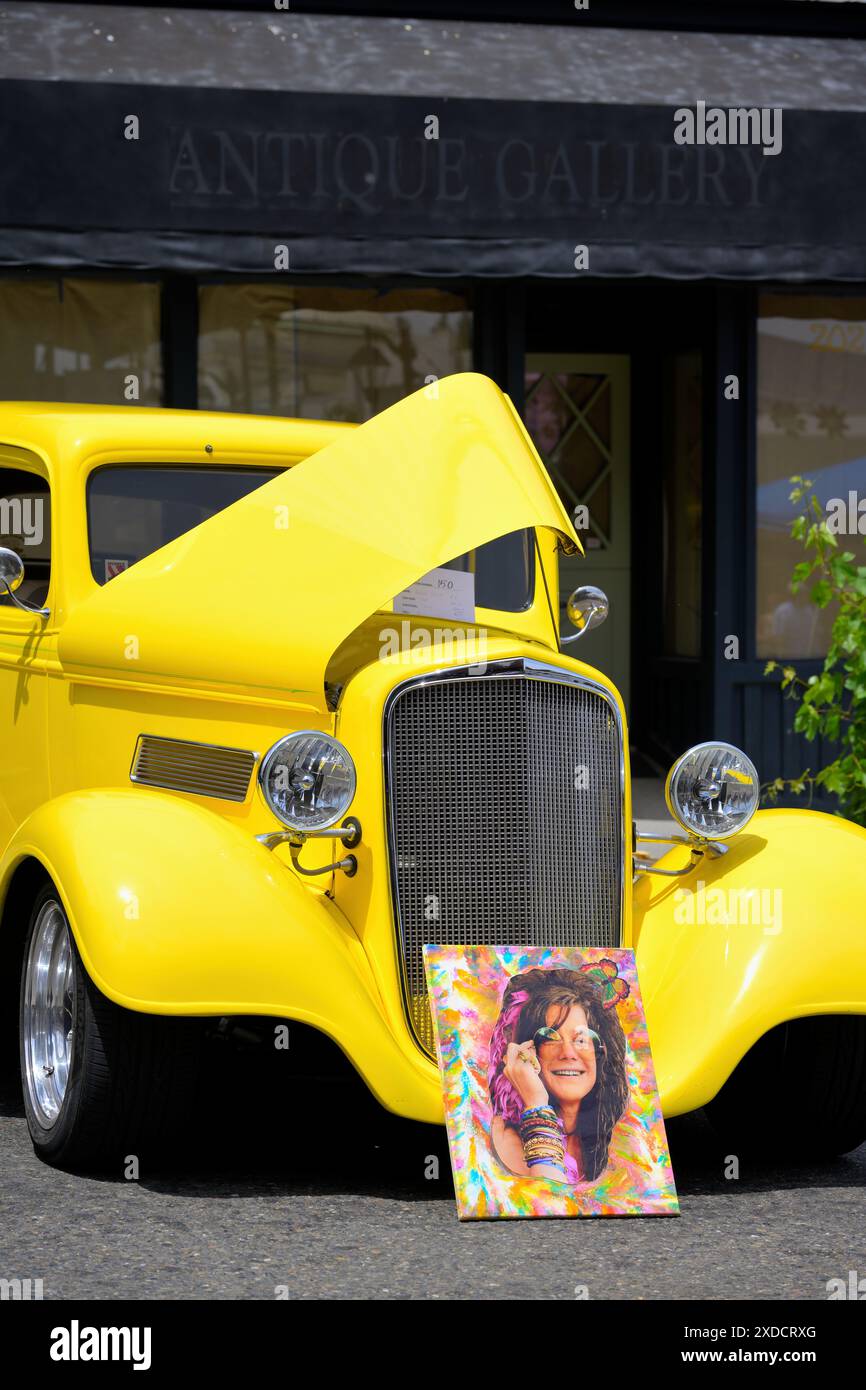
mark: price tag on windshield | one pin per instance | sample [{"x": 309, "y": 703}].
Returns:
[{"x": 442, "y": 593}]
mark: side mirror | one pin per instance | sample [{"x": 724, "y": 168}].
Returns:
[
  {"x": 587, "y": 608},
  {"x": 11, "y": 578},
  {"x": 11, "y": 570}
]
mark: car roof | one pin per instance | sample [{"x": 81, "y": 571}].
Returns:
[{"x": 68, "y": 434}]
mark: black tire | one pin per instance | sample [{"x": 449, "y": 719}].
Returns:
[
  {"x": 132, "y": 1077},
  {"x": 802, "y": 1083}
]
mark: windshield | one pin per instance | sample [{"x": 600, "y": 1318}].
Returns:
[
  {"x": 499, "y": 574},
  {"x": 134, "y": 510}
]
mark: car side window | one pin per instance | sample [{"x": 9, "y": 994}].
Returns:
[
  {"x": 25, "y": 527},
  {"x": 133, "y": 510}
]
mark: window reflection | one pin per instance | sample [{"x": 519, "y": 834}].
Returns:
[
  {"x": 70, "y": 339},
  {"x": 325, "y": 354},
  {"x": 811, "y": 421}
]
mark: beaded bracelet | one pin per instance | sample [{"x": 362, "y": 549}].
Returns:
[{"x": 542, "y": 1137}]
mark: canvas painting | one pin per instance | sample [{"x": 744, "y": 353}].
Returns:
[{"x": 551, "y": 1103}]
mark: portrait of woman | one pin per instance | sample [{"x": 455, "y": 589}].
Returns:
[
  {"x": 557, "y": 1073},
  {"x": 550, "y": 1094}
]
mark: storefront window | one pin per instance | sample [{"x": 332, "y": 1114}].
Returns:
[
  {"x": 327, "y": 354},
  {"x": 92, "y": 341},
  {"x": 811, "y": 421},
  {"x": 682, "y": 505}
]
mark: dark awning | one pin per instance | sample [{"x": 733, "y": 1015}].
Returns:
[{"x": 257, "y": 131}]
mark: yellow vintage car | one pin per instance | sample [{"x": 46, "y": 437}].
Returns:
[{"x": 281, "y": 701}]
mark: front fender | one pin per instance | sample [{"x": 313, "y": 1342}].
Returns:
[
  {"x": 177, "y": 911},
  {"x": 772, "y": 931}
]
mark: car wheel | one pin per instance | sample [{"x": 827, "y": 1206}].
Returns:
[
  {"x": 802, "y": 1085},
  {"x": 100, "y": 1083}
]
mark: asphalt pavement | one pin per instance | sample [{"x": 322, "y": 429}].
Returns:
[{"x": 247, "y": 1217}]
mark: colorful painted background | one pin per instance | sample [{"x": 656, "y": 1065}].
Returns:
[{"x": 466, "y": 985}]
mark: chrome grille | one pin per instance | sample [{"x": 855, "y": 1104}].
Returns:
[
  {"x": 203, "y": 768},
  {"x": 505, "y": 804}
]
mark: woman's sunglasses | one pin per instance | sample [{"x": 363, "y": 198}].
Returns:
[{"x": 586, "y": 1040}]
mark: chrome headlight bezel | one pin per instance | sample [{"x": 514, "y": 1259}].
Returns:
[
  {"x": 324, "y": 819},
  {"x": 675, "y": 803}
]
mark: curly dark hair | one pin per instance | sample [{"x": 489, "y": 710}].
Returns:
[{"x": 563, "y": 988}]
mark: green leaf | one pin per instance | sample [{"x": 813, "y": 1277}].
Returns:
[
  {"x": 822, "y": 593},
  {"x": 833, "y": 703},
  {"x": 833, "y": 778}
]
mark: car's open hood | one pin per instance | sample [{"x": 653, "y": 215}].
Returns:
[{"x": 258, "y": 597}]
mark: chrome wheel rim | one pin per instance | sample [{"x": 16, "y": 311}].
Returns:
[{"x": 49, "y": 1013}]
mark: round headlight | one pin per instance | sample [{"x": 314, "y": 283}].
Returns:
[
  {"x": 308, "y": 780},
  {"x": 713, "y": 790}
]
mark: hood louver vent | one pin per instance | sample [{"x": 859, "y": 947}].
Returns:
[{"x": 205, "y": 769}]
